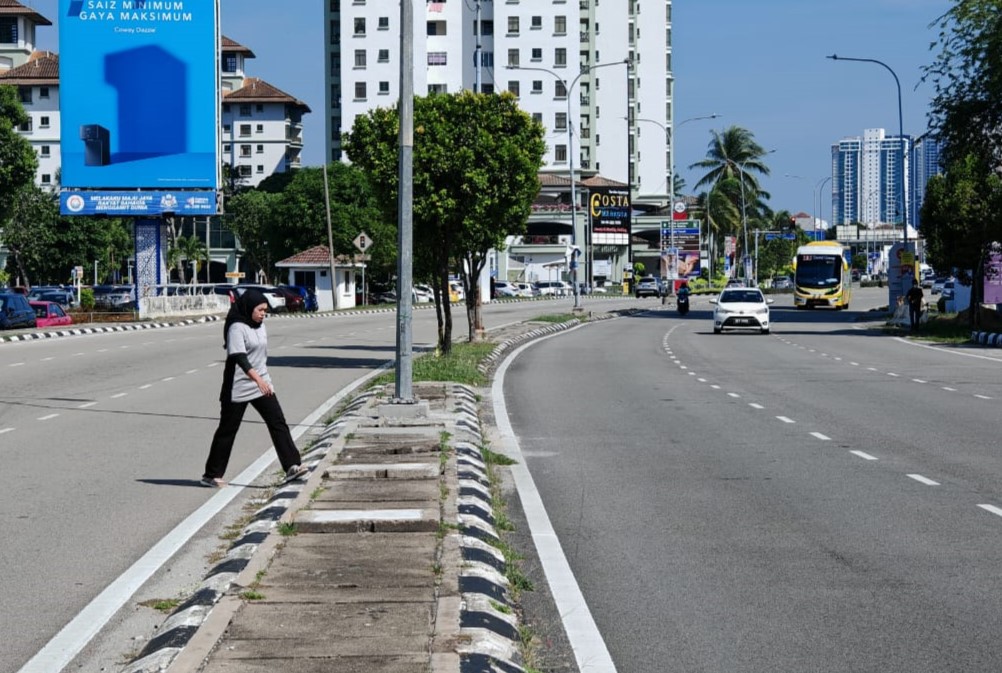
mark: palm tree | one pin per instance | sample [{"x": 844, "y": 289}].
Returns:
[
  {"x": 733, "y": 153},
  {"x": 193, "y": 250}
]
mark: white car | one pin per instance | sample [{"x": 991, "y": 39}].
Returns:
[
  {"x": 504, "y": 288},
  {"x": 526, "y": 290},
  {"x": 741, "y": 308},
  {"x": 422, "y": 294}
]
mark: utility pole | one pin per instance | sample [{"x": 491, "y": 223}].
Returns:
[
  {"x": 405, "y": 208},
  {"x": 477, "y": 54}
]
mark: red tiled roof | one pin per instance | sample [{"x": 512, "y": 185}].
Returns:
[
  {"x": 599, "y": 181},
  {"x": 42, "y": 68},
  {"x": 15, "y": 8},
  {"x": 256, "y": 90},
  {"x": 554, "y": 180},
  {"x": 231, "y": 45},
  {"x": 318, "y": 255}
]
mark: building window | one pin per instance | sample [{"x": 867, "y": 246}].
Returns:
[
  {"x": 513, "y": 57},
  {"x": 487, "y": 88},
  {"x": 43, "y": 92},
  {"x": 43, "y": 122},
  {"x": 560, "y": 89},
  {"x": 245, "y": 110},
  {"x": 260, "y": 149},
  {"x": 560, "y": 121},
  {"x": 360, "y": 91},
  {"x": 537, "y": 117},
  {"x": 45, "y": 151},
  {"x": 46, "y": 179},
  {"x": 537, "y": 54},
  {"x": 537, "y": 22},
  {"x": 245, "y": 130},
  {"x": 244, "y": 171},
  {"x": 438, "y": 88},
  {"x": 359, "y": 27},
  {"x": 384, "y": 88},
  {"x": 226, "y": 107},
  {"x": 25, "y": 93},
  {"x": 537, "y": 86},
  {"x": 384, "y": 23},
  {"x": 487, "y": 59},
  {"x": 245, "y": 151},
  {"x": 513, "y": 86},
  {"x": 226, "y": 128},
  {"x": 437, "y": 58},
  {"x": 229, "y": 62},
  {"x": 560, "y": 154},
  {"x": 360, "y": 58},
  {"x": 560, "y": 57},
  {"x": 513, "y": 25},
  {"x": 259, "y": 108},
  {"x": 487, "y": 27},
  {"x": 437, "y": 28},
  {"x": 384, "y": 56},
  {"x": 260, "y": 169},
  {"x": 8, "y": 30},
  {"x": 560, "y": 25},
  {"x": 259, "y": 128},
  {"x": 227, "y": 148}
]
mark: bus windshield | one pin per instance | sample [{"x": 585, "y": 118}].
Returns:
[{"x": 819, "y": 270}]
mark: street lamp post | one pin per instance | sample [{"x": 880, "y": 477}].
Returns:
[
  {"x": 669, "y": 134},
  {"x": 820, "y": 195},
  {"x": 570, "y": 154},
  {"x": 744, "y": 216},
  {"x": 901, "y": 136}
]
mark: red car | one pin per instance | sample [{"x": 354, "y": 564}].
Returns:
[{"x": 50, "y": 314}]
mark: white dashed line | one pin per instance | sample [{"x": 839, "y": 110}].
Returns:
[
  {"x": 148, "y": 385},
  {"x": 863, "y": 455},
  {"x": 838, "y": 359},
  {"x": 823, "y": 438},
  {"x": 991, "y": 508},
  {"x": 982, "y": 397},
  {"x": 47, "y": 359},
  {"x": 169, "y": 378},
  {"x": 924, "y": 480},
  {"x": 871, "y": 369},
  {"x": 47, "y": 417},
  {"x": 952, "y": 390},
  {"x": 123, "y": 346},
  {"x": 854, "y": 364},
  {"x": 191, "y": 371},
  {"x": 733, "y": 395},
  {"x": 102, "y": 350},
  {"x": 682, "y": 367},
  {"x": 86, "y": 404},
  {"x": 701, "y": 380},
  {"x": 715, "y": 386},
  {"x": 893, "y": 374},
  {"x": 117, "y": 395},
  {"x": 785, "y": 419},
  {"x": 213, "y": 364},
  {"x": 5, "y": 430},
  {"x": 755, "y": 405},
  {"x": 919, "y": 381},
  {"x": 692, "y": 373}
]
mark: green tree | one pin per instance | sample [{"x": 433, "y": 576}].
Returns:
[
  {"x": 18, "y": 162},
  {"x": 962, "y": 221},
  {"x": 192, "y": 250},
  {"x": 247, "y": 216},
  {"x": 966, "y": 110},
  {"x": 476, "y": 163}
]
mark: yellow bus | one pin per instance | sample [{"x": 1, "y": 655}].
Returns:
[{"x": 822, "y": 276}]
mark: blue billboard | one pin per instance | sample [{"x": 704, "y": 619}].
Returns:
[
  {"x": 139, "y": 94},
  {"x": 145, "y": 203}
]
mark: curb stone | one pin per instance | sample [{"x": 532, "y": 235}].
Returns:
[{"x": 993, "y": 339}]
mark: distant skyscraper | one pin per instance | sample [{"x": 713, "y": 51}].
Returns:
[
  {"x": 926, "y": 164},
  {"x": 531, "y": 49},
  {"x": 866, "y": 178}
]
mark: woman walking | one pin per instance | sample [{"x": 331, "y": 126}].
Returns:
[{"x": 246, "y": 381}]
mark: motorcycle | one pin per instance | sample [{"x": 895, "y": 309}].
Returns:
[{"x": 683, "y": 304}]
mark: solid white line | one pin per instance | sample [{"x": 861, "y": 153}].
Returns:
[
  {"x": 785, "y": 419},
  {"x": 982, "y": 397},
  {"x": 755, "y": 405},
  {"x": 733, "y": 395},
  {"x": 73, "y": 637},
  {"x": 823, "y": 438},
  {"x": 863, "y": 455},
  {"x": 991, "y": 508},
  {"x": 47, "y": 417},
  {"x": 117, "y": 395},
  {"x": 924, "y": 480},
  {"x": 590, "y": 650}
]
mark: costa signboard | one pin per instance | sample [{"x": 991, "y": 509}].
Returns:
[{"x": 609, "y": 210}]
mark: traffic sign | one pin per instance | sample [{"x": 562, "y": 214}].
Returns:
[
  {"x": 234, "y": 274},
  {"x": 362, "y": 242},
  {"x": 787, "y": 237}
]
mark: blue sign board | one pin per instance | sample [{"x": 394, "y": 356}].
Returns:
[
  {"x": 785, "y": 237},
  {"x": 139, "y": 95},
  {"x": 146, "y": 203}
]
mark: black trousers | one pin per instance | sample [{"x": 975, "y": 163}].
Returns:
[
  {"x": 230, "y": 416},
  {"x": 914, "y": 314}
]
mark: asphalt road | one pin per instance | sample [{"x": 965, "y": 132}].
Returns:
[
  {"x": 825, "y": 498},
  {"x": 104, "y": 437}
]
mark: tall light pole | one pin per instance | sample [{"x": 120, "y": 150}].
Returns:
[
  {"x": 901, "y": 137},
  {"x": 669, "y": 136},
  {"x": 570, "y": 152},
  {"x": 820, "y": 195},
  {"x": 744, "y": 215}
]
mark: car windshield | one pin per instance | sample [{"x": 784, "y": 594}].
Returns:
[
  {"x": 741, "y": 297},
  {"x": 818, "y": 270}
]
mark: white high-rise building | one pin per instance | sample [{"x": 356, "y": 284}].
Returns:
[
  {"x": 537, "y": 50},
  {"x": 866, "y": 179}
]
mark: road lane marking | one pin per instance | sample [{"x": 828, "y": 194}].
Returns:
[
  {"x": 47, "y": 359},
  {"x": 755, "y": 405},
  {"x": 117, "y": 395},
  {"x": 715, "y": 386},
  {"x": 86, "y": 404},
  {"x": 47, "y": 417},
  {"x": 863, "y": 455},
  {"x": 952, "y": 390},
  {"x": 919, "y": 381},
  {"x": 892, "y": 374},
  {"x": 991, "y": 508},
  {"x": 5, "y": 430},
  {"x": 191, "y": 371},
  {"x": 701, "y": 380},
  {"x": 213, "y": 364},
  {"x": 785, "y": 419},
  {"x": 16, "y": 364},
  {"x": 692, "y": 373},
  {"x": 823, "y": 438},
  {"x": 982, "y": 397},
  {"x": 733, "y": 395},
  {"x": 169, "y": 378},
  {"x": 924, "y": 480},
  {"x": 683, "y": 367},
  {"x": 871, "y": 369},
  {"x": 854, "y": 364},
  {"x": 148, "y": 385}
]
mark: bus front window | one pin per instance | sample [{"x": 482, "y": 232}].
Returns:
[{"x": 818, "y": 271}]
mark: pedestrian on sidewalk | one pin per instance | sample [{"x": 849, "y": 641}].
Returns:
[
  {"x": 915, "y": 297},
  {"x": 246, "y": 381}
]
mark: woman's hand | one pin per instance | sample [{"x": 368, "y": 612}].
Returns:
[{"x": 266, "y": 389}]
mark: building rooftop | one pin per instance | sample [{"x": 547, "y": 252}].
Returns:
[
  {"x": 42, "y": 69},
  {"x": 232, "y": 45},
  {"x": 318, "y": 255},
  {"x": 256, "y": 90},
  {"x": 15, "y": 8}
]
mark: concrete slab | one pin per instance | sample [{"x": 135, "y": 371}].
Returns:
[
  {"x": 367, "y": 664},
  {"x": 427, "y": 469},
  {"x": 362, "y": 520},
  {"x": 377, "y": 492},
  {"x": 386, "y": 457}
]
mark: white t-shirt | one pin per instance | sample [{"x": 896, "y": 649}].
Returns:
[{"x": 243, "y": 338}]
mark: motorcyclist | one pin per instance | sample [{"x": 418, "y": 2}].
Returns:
[{"x": 683, "y": 290}]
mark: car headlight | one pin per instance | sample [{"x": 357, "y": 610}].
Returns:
[{"x": 762, "y": 311}]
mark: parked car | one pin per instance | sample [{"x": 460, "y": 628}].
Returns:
[
  {"x": 294, "y": 302},
  {"x": 308, "y": 297},
  {"x": 937, "y": 285},
  {"x": 50, "y": 314},
  {"x": 15, "y": 311},
  {"x": 62, "y": 296},
  {"x": 422, "y": 294},
  {"x": 527, "y": 290},
  {"x": 275, "y": 297},
  {"x": 782, "y": 283},
  {"x": 504, "y": 288},
  {"x": 115, "y": 297},
  {"x": 649, "y": 286},
  {"x": 554, "y": 287},
  {"x": 949, "y": 287},
  {"x": 741, "y": 308}
]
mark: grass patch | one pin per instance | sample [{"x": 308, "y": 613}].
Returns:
[
  {"x": 945, "y": 329},
  {"x": 252, "y": 595},
  {"x": 459, "y": 366},
  {"x": 164, "y": 605},
  {"x": 287, "y": 529},
  {"x": 496, "y": 458},
  {"x": 557, "y": 318}
]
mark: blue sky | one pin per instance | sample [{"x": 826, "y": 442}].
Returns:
[{"x": 760, "y": 64}]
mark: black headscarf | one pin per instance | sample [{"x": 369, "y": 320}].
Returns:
[{"x": 242, "y": 310}]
